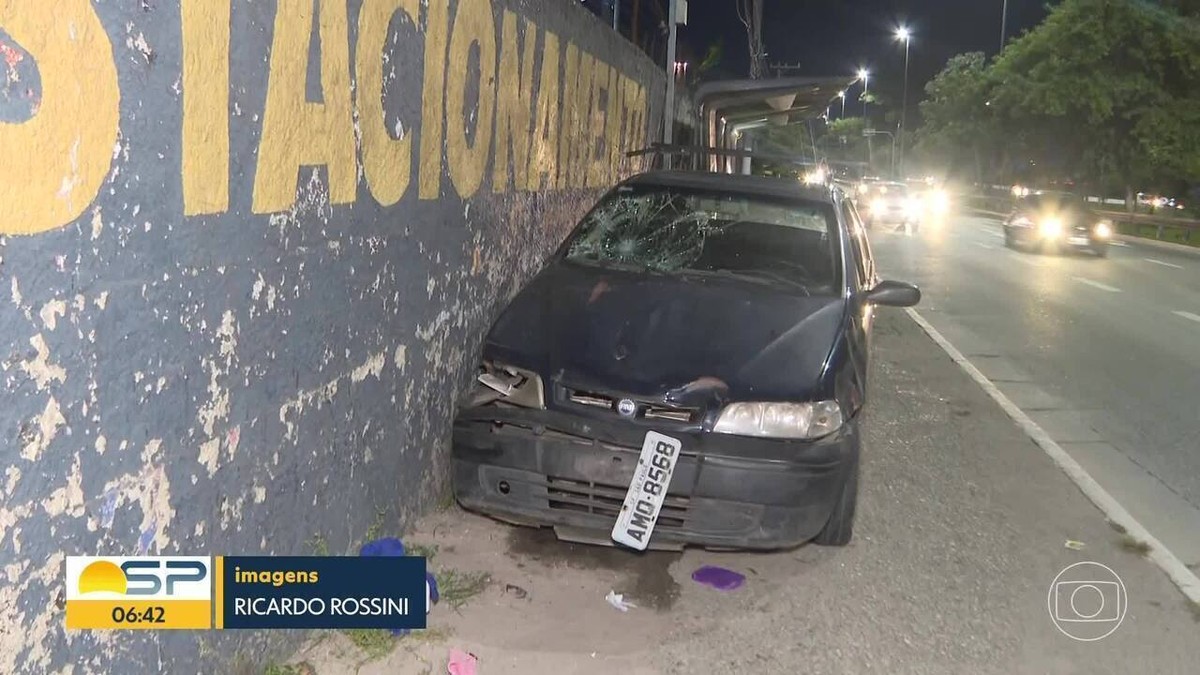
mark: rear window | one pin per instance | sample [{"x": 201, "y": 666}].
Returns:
[{"x": 672, "y": 231}]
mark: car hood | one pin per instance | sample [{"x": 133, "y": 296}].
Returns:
[{"x": 669, "y": 338}]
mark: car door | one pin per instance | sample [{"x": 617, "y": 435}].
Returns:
[{"x": 864, "y": 263}]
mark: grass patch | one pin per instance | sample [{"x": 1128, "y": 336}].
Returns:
[
  {"x": 423, "y": 551},
  {"x": 302, "y": 668},
  {"x": 318, "y": 545},
  {"x": 1173, "y": 234},
  {"x": 1134, "y": 545},
  {"x": 1194, "y": 608},
  {"x": 376, "y": 527},
  {"x": 456, "y": 587},
  {"x": 374, "y": 642}
]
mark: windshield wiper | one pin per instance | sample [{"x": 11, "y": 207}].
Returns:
[{"x": 760, "y": 276}]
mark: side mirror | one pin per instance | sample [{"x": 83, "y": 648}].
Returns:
[{"x": 894, "y": 294}]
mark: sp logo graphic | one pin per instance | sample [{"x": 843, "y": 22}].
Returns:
[
  {"x": 138, "y": 592},
  {"x": 141, "y": 577}
]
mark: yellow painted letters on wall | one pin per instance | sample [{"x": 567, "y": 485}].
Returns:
[
  {"x": 473, "y": 23},
  {"x": 513, "y": 104},
  {"x": 387, "y": 162},
  {"x": 55, "y": 162},
  {"x": 433, "y": 98},
  {"x": 296, "y": 132},
  {"x": 205, "y": 77},
  {"x": 543, "y": 159}
]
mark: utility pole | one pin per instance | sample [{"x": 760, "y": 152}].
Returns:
[
  {"x": 1004, "y": 25},
  {"x": 750, "y": 13},
  {"x": 669, "y": 108}
]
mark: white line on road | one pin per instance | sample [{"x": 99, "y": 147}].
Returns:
[
  {"x": 1179, "y": 573},
  {"x": 994, "y": 233},
  {"x": 1164, "y": 264},
  {"x": 1119, "y": 243},
  {"x": 1188, "y": 315},
  {"x": 1097, "y": 284},
  {"x": 982, "y": 245}
]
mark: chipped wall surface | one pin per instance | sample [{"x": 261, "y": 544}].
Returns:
[{"x": 248, "y": 249}]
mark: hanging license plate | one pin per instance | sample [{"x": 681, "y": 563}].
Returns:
[{"x": 647, "y": 491}]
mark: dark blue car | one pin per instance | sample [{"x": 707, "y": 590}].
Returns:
[{"x": 689, "y": 368}]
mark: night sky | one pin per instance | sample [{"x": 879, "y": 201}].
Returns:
[{"x": 835, "y": 37}]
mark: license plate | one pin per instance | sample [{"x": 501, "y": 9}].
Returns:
[
  {"x": 647, "y": 491},
  {"x": 1077, "y": 240}
]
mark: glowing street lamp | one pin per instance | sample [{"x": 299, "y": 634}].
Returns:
[
  {"x": 865, "y": 76},
  {"x": 905, "y": 35},
  {"x": 842, "y": 95}
]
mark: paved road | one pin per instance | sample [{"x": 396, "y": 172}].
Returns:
[
  {"x": 1103, "y": 353},
  {"x": 961, "y": 533}
]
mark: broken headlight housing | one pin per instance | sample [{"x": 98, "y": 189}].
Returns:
[
  {"x": 780, "y": 420},
  {"x": 500, "y": 383}
]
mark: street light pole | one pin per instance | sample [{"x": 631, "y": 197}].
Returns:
[
  {"x": 669, "y": 108},
  {"x": 1004, "y": 25},
  {"x": 842, "y": 94},
  {"x": 904, "y": 34}
]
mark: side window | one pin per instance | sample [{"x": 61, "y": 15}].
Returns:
[{"x": 858, "y": 244}]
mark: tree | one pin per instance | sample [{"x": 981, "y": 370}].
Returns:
[
  {"x": 750, "y": 13},
  {"x": 960, "y": 124},
  {"x": 1110, "y": 86},
  {"x": 1106, "y": 92}
]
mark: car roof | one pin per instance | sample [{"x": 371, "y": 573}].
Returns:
[{"x": 763, "y": 186}]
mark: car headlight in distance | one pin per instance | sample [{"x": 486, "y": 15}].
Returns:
[
  {"x": 1050, "y": 228},
  {"x": 940, "y": 200},
  {"x": 780, "y": 420},
  {"x": 1103, "y": 230}
]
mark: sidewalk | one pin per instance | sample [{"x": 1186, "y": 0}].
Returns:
[{"x": 961, "y": 533}]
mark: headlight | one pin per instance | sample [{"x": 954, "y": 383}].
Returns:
[
  {"x": 940, "y": 200},
  {"x": 878, "y": 207},
  {"x": 780, "y": 420},
  {"x": 862, "y": 189},
  {"x": 912, "y": 206},
  {"x": 1050, "y": 228},
  {"x": 1103, "y": 230}
]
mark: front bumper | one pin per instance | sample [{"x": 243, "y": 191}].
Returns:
[
  {"x": 1074, "y": 241},
  {"x": 550, "y": 468}
]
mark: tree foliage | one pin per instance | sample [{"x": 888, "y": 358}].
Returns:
[{"x": 1108, "y": 90}]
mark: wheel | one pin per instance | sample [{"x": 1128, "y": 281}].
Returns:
[
  {"x": 839, "y": 529},
  {"x": 1100, "y": 250},
  {"x": 1009, "y": 240}
]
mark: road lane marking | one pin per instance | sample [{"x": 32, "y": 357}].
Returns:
[
  {"x": 1160, "y": 555},
  {"x": 1188, "y": 315},
  {"x": 1097, "y": 284},
  {"x": 1119, "y": 243},
  {"x": 982, "y": 245},
  {"x": 994, "y": 233},
  {"x": 1164, "y": 264}
]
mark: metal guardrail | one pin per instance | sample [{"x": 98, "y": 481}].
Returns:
[{"x": 998, "y": 204}]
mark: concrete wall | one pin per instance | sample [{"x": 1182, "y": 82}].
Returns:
[{"x": 247, "y": 252}]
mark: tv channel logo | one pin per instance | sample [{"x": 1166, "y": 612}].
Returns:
[
  {"x": 139, "y": 592},
  {"x": 1087, "y": 601}
]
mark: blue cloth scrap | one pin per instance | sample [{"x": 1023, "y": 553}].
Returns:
[{"x": 393, "y": 547}]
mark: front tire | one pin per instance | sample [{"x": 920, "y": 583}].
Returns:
[
  {"x": 1009, "y": 240},
  {"x": 839, "y": 529}
]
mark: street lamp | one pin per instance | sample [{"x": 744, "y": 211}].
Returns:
[
  {"x": 865, "y": 76},
  {"x": 905, "y": 35},
  {"x": 842, "y": 95}
]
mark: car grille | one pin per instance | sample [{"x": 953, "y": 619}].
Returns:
[
  {"x": 645, "y": 409},
  {"x": 606, "y": 500}
]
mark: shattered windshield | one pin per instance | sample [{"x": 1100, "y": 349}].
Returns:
[{"x": 705, "y": 233}]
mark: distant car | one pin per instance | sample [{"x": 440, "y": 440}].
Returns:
[
  {"x": 1057, "y": 221},
  {"x": 893, "y": 203},
  {"x": 689, "y": 368}
]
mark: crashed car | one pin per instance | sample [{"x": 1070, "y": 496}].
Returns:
[
  {"x": 1057, "y": 221},
  {"x": 690, "y": 368}
]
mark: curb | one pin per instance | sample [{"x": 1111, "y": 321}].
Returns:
[{"x": 1180, "y": 575}]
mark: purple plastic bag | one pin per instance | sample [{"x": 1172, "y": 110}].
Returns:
[{"x": 718, "y": 578}]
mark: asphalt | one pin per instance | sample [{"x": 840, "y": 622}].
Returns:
[
  {"x": 962, "y": 532},
  {"x": 1104, "y": 354}
]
